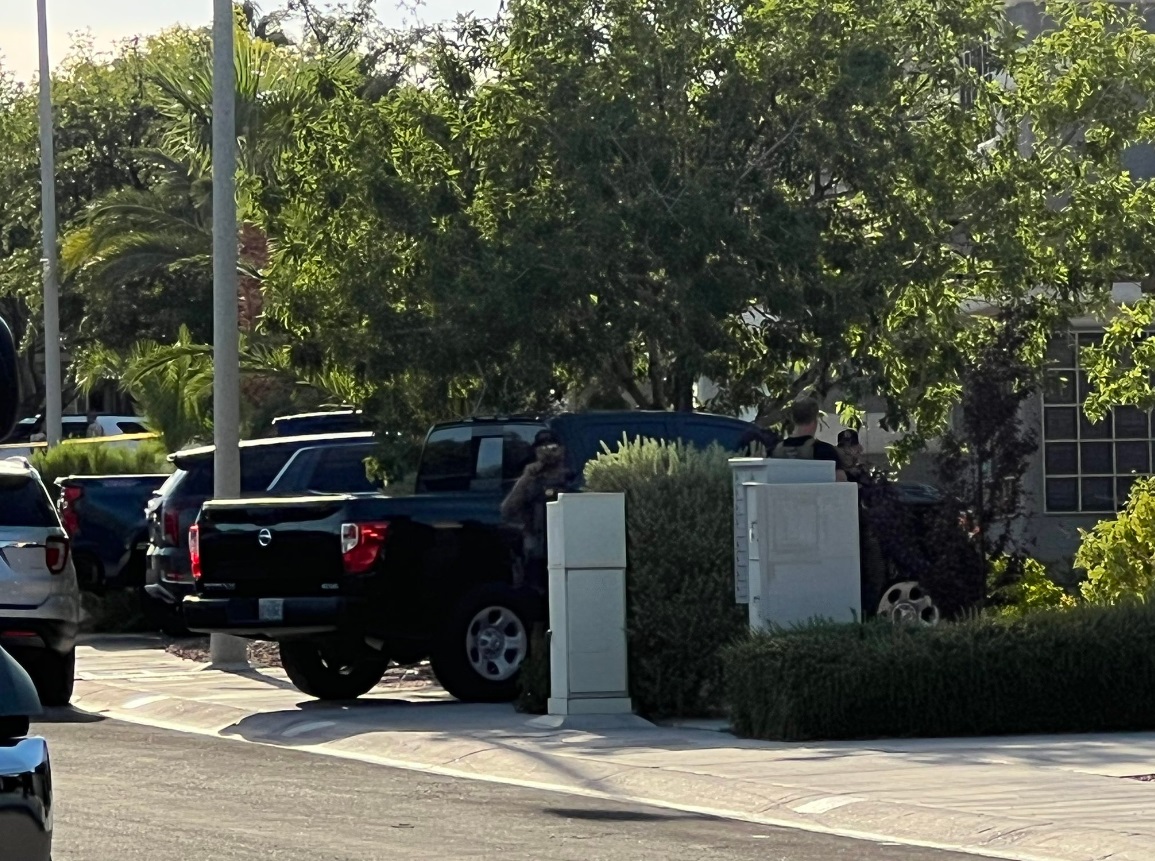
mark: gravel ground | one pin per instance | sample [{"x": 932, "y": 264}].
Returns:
[{"x": 265, "y": 654}]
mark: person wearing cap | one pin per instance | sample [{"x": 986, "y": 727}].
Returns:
[{"x": 524, "y": 508}]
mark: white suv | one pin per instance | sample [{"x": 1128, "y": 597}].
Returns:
[{"x": 39, "y": 596}]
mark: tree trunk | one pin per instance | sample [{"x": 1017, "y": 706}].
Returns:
[{"x": 254, "y": 256}]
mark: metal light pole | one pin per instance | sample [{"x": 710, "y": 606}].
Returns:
[
  {"x": 225, "y": 650},
  {"x": 53, "y": 381}
]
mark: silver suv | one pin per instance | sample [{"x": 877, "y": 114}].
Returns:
[{"x": 39, "y": 596}]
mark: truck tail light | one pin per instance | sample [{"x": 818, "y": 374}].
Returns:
[
  {"x": 361, "y": 544},
  {"x": 68, "y": 515},
  {"x": 56, "y": 554},
  {"x": 194, "y": 550}
]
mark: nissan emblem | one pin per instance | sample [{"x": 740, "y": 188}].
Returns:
[{"x": 264, "y": 538}]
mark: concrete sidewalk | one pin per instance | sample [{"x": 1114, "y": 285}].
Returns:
[{"x": 1055, "y": 798}]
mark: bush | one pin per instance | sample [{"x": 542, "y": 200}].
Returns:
[
  {"x": 680, "y": 584},
  {"x": 1082, "y": 669},
  {"x": 1020, "y": 584},
  {"x": 82, "y": 457},
  {"x": 1119, "y": 555}
]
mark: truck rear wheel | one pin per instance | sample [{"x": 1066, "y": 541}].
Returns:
[
  {"x": 330, "y": 671},
  {"x": 479, "y": 654}
]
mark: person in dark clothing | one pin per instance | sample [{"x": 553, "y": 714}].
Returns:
[
  {"x": 851, "y": 451},
  {"x": 524, "y": 508},
  {"x": 802, "y": 444}
]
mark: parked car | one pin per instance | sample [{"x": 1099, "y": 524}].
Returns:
[
  {"x": 347, "y": 583},
  {"x": 25, "y": 770},
  {"x": 104, "y": 517},
  {"x": 39, "y": 595},
  {"x": 76, "y": 427},
  {"x": 27, "y": 449},
  {"x": 173, "y": 508},
  {"x": 330, "y": 421}
]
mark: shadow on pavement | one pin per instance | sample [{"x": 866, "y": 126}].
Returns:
[
  {"x": 68, "y": 714},
  {"x": 625, "y": 815},
  {"x": 122, "y": 642}
]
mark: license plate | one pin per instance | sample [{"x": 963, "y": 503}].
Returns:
[{"x": 271, "y": 609}]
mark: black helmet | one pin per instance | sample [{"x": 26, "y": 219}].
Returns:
[{"x": 544, "y": 438}]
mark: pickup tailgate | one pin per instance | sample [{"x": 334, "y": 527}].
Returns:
[{"x": 281, "y": 548}]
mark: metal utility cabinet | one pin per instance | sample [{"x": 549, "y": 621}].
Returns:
[
  {"x": 587, "y": 604},
  {"x": 796, "y": 551}
]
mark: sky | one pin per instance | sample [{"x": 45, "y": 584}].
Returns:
[{"x": 106, "y": 22}]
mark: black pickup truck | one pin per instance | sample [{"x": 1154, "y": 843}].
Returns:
[{"x": 347, "y": 583}]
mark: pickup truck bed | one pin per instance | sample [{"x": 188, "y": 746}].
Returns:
[{"x": 104, "y": 516}]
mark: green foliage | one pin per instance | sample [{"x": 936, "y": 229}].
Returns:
[
  {"x": 93, "y": 457},
  {"x": 601, "y": 203},
  {"x": 171, "y": 384},
  {"x": 1021, "y": 585},
  {"x": 1119, "y": 555},
  {"x": 1076, "y": 670},
  {"x": 681, "y": 608}
]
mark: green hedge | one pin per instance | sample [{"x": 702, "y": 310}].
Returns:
[
  {"x": 95, "y": 458},
  {"x": 680, "y": 586},
  {"x": 1077, "y": 670}
]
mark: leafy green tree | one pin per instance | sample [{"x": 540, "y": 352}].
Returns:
[{"x": 784, "y": 197}]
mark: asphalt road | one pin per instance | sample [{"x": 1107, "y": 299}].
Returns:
[{"x": 130, "y": 793}]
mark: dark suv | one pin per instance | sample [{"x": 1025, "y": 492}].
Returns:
[{"x": 174, "y": 507}]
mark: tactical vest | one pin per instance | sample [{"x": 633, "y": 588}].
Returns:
[{"x": 795, "y": 452}]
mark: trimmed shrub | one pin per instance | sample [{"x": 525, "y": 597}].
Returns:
[
  {"x": 680, "y": 583},
  {"x": 1119, "y": 555},
  {"x": 95, "y": 458},
  {"x": 1083, "y": 669}
]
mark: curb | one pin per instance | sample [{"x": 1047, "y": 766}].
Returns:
[{"x": 542, "y": 757}]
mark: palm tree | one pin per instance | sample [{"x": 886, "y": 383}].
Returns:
[
  {"x": 135, "y": 233},
  {"x": 138, "y": 233},
  {"x": 171, "y": 383}
]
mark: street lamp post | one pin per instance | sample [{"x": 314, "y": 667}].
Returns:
[
  {"x": 53, "y": 381},
  {"x": 225, "y": 650}
]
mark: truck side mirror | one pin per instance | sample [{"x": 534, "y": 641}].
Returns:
[{"x": 9, "y": 381}]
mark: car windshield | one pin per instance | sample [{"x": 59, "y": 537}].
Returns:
[{"x": 24, "y": 502}]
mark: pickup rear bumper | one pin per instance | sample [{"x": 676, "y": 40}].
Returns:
[{"x": 271, "y": 618}]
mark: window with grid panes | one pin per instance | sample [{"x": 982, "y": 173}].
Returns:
[{"x": 1088, "y": 467}]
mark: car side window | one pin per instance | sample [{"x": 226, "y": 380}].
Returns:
[
  {"x": 260, "y": 465},
  {"x": 131, "y": 427},
  {"x": 341, "y": 469},
  {"x": 25, "y": 502},
  {"x": 487, "y": 476},
  {"x": 703, "y": 434},
  {"x": 199, "y": 481},
  {"x": 447, "y": 462},
  {"x": 517, "y": 451}
]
